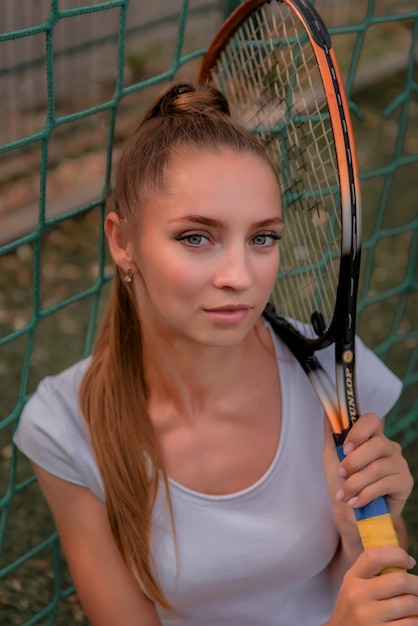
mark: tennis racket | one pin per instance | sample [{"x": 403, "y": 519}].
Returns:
[{"x": 275, "y": 63}]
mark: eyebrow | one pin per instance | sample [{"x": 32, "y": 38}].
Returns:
[{"x": 215, "y": 223}]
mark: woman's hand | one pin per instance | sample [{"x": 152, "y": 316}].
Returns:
[
  {"x": 368, "y": 599},
  {"x": 373, "y": 467}
]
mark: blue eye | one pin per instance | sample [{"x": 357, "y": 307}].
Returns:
[
  {"x": 193, "y": 239},
  {"x": 265, "y": 239}
]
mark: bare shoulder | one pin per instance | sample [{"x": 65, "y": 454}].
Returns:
[{"x": 110, "y": 596}]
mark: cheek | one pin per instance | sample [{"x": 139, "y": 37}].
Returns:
[
  {"x": 170, "y": 277},
  {"x": 269, "y": 271}
]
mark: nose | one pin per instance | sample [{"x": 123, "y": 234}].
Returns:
[{"x": 234, "y": 270}]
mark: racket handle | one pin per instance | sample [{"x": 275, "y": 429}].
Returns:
[{"x": 375, "y": 523}]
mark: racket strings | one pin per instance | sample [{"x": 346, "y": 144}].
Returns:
[{"x": 270, "y": 75}]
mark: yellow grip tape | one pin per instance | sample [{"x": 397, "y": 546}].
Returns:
[{"x": 378, "y": 531}]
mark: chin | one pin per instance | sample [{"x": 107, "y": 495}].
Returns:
[{"x": 226, "y": 338}]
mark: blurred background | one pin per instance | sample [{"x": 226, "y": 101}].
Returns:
[{"x": 75, "y": 78}]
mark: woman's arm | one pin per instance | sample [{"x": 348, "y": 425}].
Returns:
[{"x": 107, "y": 591}]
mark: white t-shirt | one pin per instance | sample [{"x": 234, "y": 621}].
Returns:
[{"x": 257, "y": 557}]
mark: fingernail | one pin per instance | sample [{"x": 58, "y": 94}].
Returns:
[
  {"x": 353, "y": 501},
  {"x": 340, "y": 495},
  {"x": 412, "y": 560},
  {"x": 342, "y": 472},
  {"x": 348, "y": 447}
]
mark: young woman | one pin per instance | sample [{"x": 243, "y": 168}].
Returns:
[{"x": 187, "y": 463}]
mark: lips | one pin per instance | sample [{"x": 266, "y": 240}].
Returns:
[
  {"x": 229, "y": 314},
  {"x": 229, "y": 307}
]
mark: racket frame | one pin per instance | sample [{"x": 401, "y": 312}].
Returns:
[
  {"x": 341, "y": 404},
  {"x": 342, "y": 328}
]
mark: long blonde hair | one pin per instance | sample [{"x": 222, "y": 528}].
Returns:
[{"x": 113, "y": 394}]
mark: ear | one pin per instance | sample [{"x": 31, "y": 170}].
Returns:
[{"x": 120, "y": 245}]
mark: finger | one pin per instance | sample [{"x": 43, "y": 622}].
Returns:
[
  {"x": 373, "y": 561},
  {"x": 379, "y": 478},
  {"x": 365, "y": 427},
  {"x": 380, "y": 472},
  {"x": 374, "y": 448},
  {"x": 388, "y": 487},
  {"x": 399, "y": 610},
  {"x": 396, "y": 583},
  {"x": 370, "y": 494}
]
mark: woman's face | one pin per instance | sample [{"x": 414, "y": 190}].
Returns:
[{"x": 206, "y": 250}]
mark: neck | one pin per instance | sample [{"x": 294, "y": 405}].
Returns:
[{"x": 190, "y": 377}]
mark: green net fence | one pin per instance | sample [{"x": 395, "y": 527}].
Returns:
[{"x": 75, "y": 79}]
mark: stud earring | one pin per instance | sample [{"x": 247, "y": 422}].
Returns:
[{"x": 128, "y": 276}]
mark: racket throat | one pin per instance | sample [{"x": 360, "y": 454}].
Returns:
[
  {"x": 339, "y": 439},
  {"x": 318, "y": 323}
]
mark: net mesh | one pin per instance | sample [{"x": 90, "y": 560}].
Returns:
[{"x": 75, "y": 77}]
